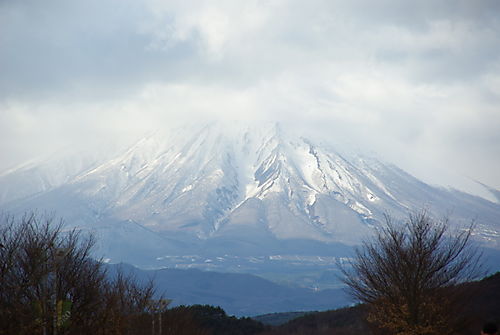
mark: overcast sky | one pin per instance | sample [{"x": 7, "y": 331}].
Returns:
[{"x": 417, "y": 81}]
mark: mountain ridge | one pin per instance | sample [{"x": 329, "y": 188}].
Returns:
[{"x": 242, "y": 185}]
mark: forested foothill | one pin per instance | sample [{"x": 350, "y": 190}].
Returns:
[{"x": 483, "y": 306}]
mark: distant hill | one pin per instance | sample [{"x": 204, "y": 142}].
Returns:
[
  {"x": 237, "y": 294},
  {"x": 484, "y": 306},
  {"x": 277, "y": 319}
]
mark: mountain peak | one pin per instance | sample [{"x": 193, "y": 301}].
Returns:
[{"x": 226, "y": 178}]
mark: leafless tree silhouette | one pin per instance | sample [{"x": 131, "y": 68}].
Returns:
[
  {"x": 409, "y": 275},
  {"x": 51, "y": 285}
]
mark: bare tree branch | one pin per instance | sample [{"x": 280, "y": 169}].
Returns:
[{"x": 409, "y": 275}]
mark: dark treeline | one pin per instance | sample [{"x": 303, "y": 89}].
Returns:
[{"x": 207, "y": 320}]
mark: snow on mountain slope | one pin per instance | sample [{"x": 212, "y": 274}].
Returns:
[
  {"x": 244, "y": 182},
  {"x": 40, "y": 176}
]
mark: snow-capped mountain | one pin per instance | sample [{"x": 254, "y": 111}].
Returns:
[{"x": 233, "y": 184}]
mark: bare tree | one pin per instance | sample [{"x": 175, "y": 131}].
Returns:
[
  {"x": 409, "y": 275},
  {"x": 51, "y": 285}
]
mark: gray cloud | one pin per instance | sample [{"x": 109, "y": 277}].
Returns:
[
  {"x": 80, "y": 49},
  {"x": 409, "y": 79}
]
